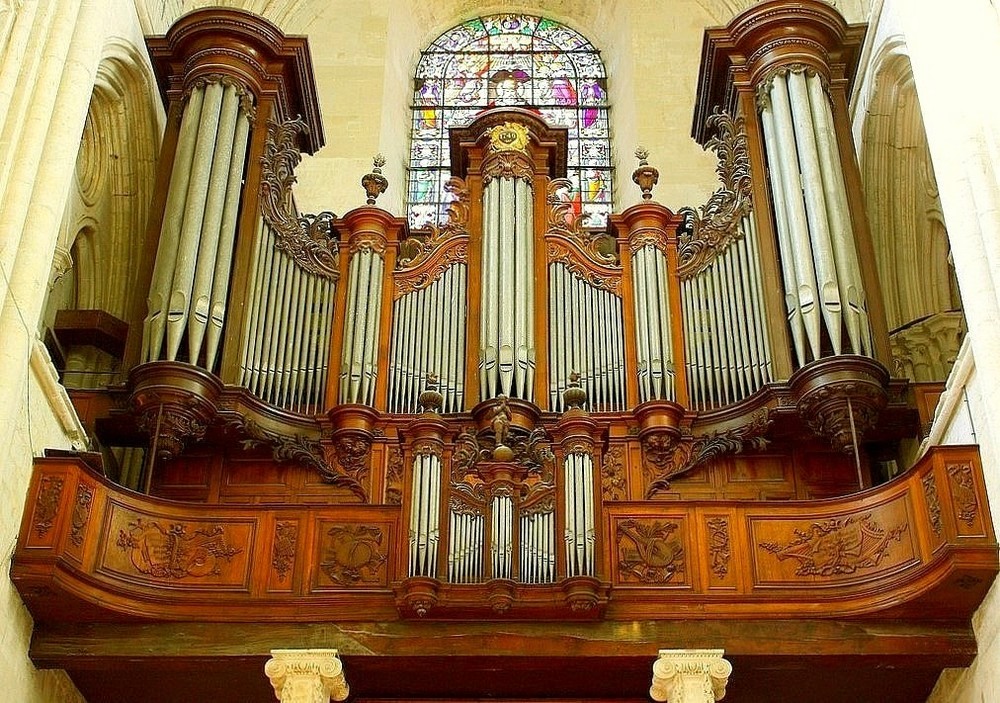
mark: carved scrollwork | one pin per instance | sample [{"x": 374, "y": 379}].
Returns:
[
  {"x": 668, "y": 456},
  {"x": 563, "y": 218},
  {"x": 609, "y": 280},
  {"x": 838, "y": 546},
  {"x": 244, "y": 94},
  {"x": 423, "y": 276},
  {"x": 310, "y": 239},
  {"x": 394, "y": 477},
  {"x": 174, "y": 423},
  {"x": 419, "y": 246},
  {"x": 719, "y": 550},
  {"x": 715, "y": 225},
  {"x": 298, "y": 448}
]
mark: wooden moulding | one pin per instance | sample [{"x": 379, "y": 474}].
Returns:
[{"x": 920, "y": 546}]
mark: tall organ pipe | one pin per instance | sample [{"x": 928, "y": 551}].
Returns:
[
  {"x": 578, "y": 471},
  {"x": 507, "y": 344},
  {"x": 424, "y": 515},
  {"x": 812, "y": 218},
  {"x": 194, "y": 256}
]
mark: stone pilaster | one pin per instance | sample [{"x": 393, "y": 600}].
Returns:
[
  {"x": 306, "y": 675},
  {"x": 690, "y": 676}
]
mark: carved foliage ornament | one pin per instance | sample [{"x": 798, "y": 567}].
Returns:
[
  {"x": 963, "y": 491},
  {"x": 226, "y": 80},
  {"x": 668, "y": 456},
  {"x": 648, "y": 551},
  {"x": 308, "y": 452},
  {"x": 716, "y": 225},
  {"x": 454, "y": 252},
  {"x": 718, "y": 545},
  {"x": 81, "y": 513},
  {"x": 838, "y": 546},
  {"x": 47, "y": 503},
  {"x": 308, "y": 240},
  {"x": 531, "y": 450},
  {"x": 394, "y": 477},
  {"x": 612, "y": 474},
  {"x": 507, "y": 164},
  {"x": 286, "y": 533},
  {"x": 559, "y": 252},
  {"x": 174, "y": 553},
  {"x": 933, "y": 503}
]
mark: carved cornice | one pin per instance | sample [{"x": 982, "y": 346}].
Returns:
[
  {"x": 668, "y": 456},
  {"x": 717, "y": 224},
  {"x": 309, "y": 239}
]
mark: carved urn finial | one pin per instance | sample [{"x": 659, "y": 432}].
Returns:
[
  {"x": 430, "y": 399},
  {"x": 645, "y": 176},
  {"x": 375, "y": 183},
  {"x": 574, "y": 396}
]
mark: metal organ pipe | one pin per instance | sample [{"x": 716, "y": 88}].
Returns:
[
  {"x": 429, "y": 337},
  {"x": 359, "y": 358},
  {"x": 815, "y": 235},
  {"x": 425, "y": 514},
  {"x": 586, "y": 337},
  {"x": 578, "y": 470},
  {"x": 725, "y": 338},
  {"x": 287, "y": 333},
  {"x": 507, "y": 353},
  {"x": 654, "y": 350}
]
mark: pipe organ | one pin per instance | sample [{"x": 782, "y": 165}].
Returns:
[{"x": 510, "y": 382}]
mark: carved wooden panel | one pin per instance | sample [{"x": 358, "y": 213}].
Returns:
[
  {"x": 352, "y": 555},
  {"x": 843, "y": 547},
  {"x": 44, "y": 510},
  {"x": 284, "y": 561},
  {"x": 165, "y": 550},
  {"x": 719, "y": 551},
  {"x": 651, "y": 551},
  {"x": 965, "y": 499}
]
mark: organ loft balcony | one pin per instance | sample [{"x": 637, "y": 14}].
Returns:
[{"x": 522, "y": 438}]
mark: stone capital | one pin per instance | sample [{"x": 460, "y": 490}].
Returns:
[
  {"x": 690, "y": 676},
  {"x": 306, "y": 675}
]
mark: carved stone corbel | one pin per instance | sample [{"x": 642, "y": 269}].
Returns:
[
  {"x": 690, "y": 676},
  {"x": 307, "y": 675}
]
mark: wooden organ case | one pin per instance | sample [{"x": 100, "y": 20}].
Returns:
[{"x": 511, "y": 416}]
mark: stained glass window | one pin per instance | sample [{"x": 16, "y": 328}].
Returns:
[{"x": 516, "y": 60}]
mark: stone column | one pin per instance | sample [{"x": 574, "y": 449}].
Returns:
[
  {"x": 307, "y": 675},
  {"x": 690, "y": 676}
]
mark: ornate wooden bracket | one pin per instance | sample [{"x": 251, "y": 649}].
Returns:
[
  {"x": 308, "y": 239},
  {"x": 704, "y": 235},
  {"x": 667, "y": 456}
]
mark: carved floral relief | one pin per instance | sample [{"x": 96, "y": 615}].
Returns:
[
  {"x": 47, "y": 503},
  {"x": 354, "y": 555},
  {"x": 649, "y": 551},
  {"x": 175, "y": 551}
]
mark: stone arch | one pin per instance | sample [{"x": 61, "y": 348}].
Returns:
[
  {"x": 911, "y": 243},
  {"x": 103, "y": 228}
]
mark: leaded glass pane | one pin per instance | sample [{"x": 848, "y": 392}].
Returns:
[{"x": 511, "y": 60}]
